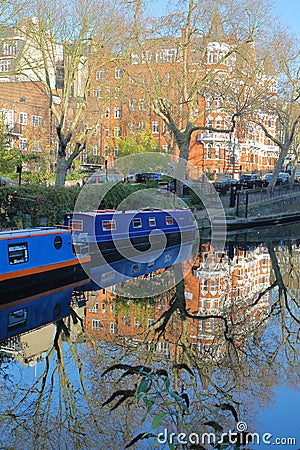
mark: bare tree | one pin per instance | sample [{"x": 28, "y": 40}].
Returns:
[
  {"x": 179, "y": 58},
  {"x": 282, "y": 58},
  {"x": 64, "y": 44}
]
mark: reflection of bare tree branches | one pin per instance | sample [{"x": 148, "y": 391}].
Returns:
[{"x": 49, "y": 410}]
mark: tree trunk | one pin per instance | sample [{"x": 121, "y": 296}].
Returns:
[
  {"x": 61, "y": 170},
  {"x": 278, "y": 165}
]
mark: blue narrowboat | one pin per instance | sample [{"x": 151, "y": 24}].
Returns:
[
  {"x": 33, "y": 312},
  {"x": 37, "y": 257},
  {"x": 114, "y": 232}
]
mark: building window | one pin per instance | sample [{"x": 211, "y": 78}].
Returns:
[
  {"x": 103, "y": 307},
  {"x": 142, "y": 126},
  {"x": 217, "y": 150},
  {"x": 117, "y": 91},
  {"x": 5, "y": 65},
  {"x": 150, "y": 322},
  {"x": 106, "y": 150},
  {"x": 126, "y": 321},
  {"x": 219, "y": 123},
  {"x": 136, "y": 323},
  {"x": 117, "y": 112},
  {"x": 94, "y": 309},
  {"x": 155, "y": 127},
  {"x": 219, "y": 102},
  {"x": 36, "y": 121},
  {"x": 23, "y": 144},
  {"x": 131, "y": 104},
  {"x": 9, "y": 50},
  {"x": 209, "y": 123},
  {"x": 209, "y": 149},
  {"x": 96, "y": 324},
  {"x": 100, "y": 74},
  {"x": 94, "y": 150},
  {"x": 107, "y": 112},
  {"x": 36, "y": 146},
  {"x": 23, "y": 118},
  {"x": 116, "y": 151},
  {"x": 117, "y": 132},
  {"x": 118, "y": 73},
  {"x": 113, "y": 327},
  {"x": 167, "y": 78},
  {"x": 162, "y": 347},
  {"x": 107, "y": 132},
  {"x": 142, "y": 105},
  {"x": 97, "y": 92}
]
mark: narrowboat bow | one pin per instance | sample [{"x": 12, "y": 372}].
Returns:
[{"x": 37, "y": 257}]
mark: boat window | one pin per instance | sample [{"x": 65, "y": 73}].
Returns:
[
  {"x": 137, "y": 223},
  {"x": 17, "y": 318},
  {"x": 58, "y": 242},
  {"x": 168, "y": 257},
  {"x": 108, "y": 225},
  {"x": 169, "y": 220},
  {"x": 135, "y": 268},
  {"x": 76, "y": 225},
  {"x": 18, "y": 253},
  {"x": 152, "y": 221}
]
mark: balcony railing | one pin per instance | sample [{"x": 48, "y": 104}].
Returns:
[{"x": 215, "y": 137}]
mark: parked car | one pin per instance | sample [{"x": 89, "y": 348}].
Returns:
[
  {"x": 266, "y": 179},
  {"x": 283, "y": 178},
  {"x": 297, "y": 177},
  {"x": 224, "y": 185},
  {"x": 102, "y": 178},
  {"x": 251, "y": 181}
]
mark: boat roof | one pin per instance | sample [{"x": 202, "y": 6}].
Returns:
[
  {"x": 97, "y": 212},
  {"x": 31, "y": 232}
]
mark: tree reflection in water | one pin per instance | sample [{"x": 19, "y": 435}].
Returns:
[{"x": 198, "y": 359}]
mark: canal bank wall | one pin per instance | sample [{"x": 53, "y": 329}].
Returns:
[{"x": 284, "y": 209}]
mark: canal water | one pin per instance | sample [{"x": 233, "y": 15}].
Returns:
[{"x": 211, "y": 361}]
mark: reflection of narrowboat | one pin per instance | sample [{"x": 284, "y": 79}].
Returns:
[
  {"x": 35, "y": 257},
  {"x": 29, "y": 313},
  {"x": 114, "y": 232},
  {"x": 122, "y": 270}
]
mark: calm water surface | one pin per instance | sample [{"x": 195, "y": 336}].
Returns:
[{"x": 214, "y": 357}]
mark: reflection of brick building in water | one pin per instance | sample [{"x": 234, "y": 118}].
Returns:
[
  {"x": 217, "y": 285},
  {"x": 227, "y": 283}
]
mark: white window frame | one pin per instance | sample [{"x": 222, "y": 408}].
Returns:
[
  {"x": 22, "y": 144},
  {"x": 118, "y": 73},
  {"x": 117, "y": 131},
  {"x": 118, "y": 112},
  {"x": 23, "y": 118},
  {"x": 36, "y": 121},
  {"x": 155, "y": 127}
]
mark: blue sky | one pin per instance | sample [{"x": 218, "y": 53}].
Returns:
[{"x": 289, "y": 10}]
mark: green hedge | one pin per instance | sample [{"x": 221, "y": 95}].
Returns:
[{"x": 31, "y": 206}]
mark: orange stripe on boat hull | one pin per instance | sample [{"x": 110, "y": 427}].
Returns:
[{"x": 50, "y": 267}]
